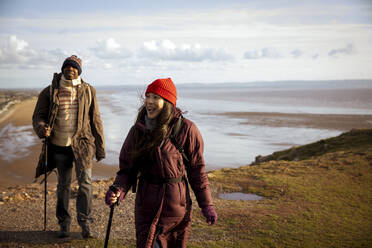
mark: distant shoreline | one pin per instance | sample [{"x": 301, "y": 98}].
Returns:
[
  {"x": 21, "y": 171},
  {"x": 293, "y": 82},
  {"x": 342, "y": 122}
]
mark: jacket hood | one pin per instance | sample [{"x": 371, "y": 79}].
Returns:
[{"x": 56, "y": 79}]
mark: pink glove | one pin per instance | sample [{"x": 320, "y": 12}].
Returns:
[
  {"x": 210, "y": 214},
  {"x": 110, "y": 193}
]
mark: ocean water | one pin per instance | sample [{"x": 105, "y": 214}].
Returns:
[
  {"x": 15, "y": 142},
  {"x": 228, "y": 142}
]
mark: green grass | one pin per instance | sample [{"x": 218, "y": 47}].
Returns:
[
  {"x": 321, "y": 200},
  {"x": 354, "y": 140}
]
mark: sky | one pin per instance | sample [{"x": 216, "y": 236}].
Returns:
[{"x": 204, "y": 41}]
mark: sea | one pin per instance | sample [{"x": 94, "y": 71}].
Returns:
[{"x": 229, "y": 142}]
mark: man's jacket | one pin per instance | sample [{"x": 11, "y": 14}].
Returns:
[{"x": 88, "y": 140}]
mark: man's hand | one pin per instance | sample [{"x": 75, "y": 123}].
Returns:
[{"x": 46, "y": 131}]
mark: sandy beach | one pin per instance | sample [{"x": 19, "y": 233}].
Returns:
[{"x": 22, "y": 171}]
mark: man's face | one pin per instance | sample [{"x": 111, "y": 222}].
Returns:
[{"x": 70, "y": 72}]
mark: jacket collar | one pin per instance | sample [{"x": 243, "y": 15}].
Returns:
[
  {"x": 57, "y": 77},
  {"x": 142, "y": 126}
]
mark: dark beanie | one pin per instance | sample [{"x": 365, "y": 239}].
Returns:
[
  {"x": 73, "y": 61},
  {"x": 165, "y": 88}
]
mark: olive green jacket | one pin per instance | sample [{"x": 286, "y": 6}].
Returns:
[{"x": 88, "y": 140}]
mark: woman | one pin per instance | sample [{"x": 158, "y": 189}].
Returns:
[{"x": 163, "y": 204}]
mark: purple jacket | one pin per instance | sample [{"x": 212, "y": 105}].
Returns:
[{"x": 166, "y": 207}]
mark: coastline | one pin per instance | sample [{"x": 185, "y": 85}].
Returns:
[
  {"x": 341, "y": 122},
  {"x": 21, "y": 171}
]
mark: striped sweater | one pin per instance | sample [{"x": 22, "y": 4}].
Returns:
[{"x": 66, "y": 120}]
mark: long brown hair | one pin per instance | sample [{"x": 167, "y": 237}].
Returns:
[{"x": 145, "y": 144}]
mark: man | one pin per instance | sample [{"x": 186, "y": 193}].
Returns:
[{"x": 67, "y": 114}]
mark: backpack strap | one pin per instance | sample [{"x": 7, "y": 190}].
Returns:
[
  {"x": 173, "y": 138},
  {"x": 51, "y": 105},
  {"x": 89, "y": 95},
  {"x": 186, "y": 161}
]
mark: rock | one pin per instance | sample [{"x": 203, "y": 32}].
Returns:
[
  {"x": 211, "y": 175},
  {"x": 18, "y": 197},
  {"x": 260, "y": 159},
  {"x": 101, "y": 195}
]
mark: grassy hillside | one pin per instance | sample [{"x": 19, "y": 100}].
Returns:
[
  {"x": 355, "y": 140},
  {"x": 317, "y": 195}
]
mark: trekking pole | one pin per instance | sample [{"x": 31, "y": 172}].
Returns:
[
  {"x": 45, "y": 182},
  {"x": 115, "y": 190}
]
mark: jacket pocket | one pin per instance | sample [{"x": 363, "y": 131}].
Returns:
[
  {"x": 86, "y": 148},
  {"x": 84, "y": 145},
  {"x": 174, "y": 202},
  {"x": 150, "y": 195}
]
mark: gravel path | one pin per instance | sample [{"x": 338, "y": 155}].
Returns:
[{"x": 22, "y": 215}]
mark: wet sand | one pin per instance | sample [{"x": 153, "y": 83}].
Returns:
[
  {"x": 22, "y": 171},
  {"x": 320, "y": 121}
]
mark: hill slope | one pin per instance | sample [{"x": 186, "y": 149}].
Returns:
[{"x": 317, "y": 195}]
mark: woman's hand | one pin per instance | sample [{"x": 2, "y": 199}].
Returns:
[
  {"x": 210, "y": 214},
  {"x": 112, "y": 197}
]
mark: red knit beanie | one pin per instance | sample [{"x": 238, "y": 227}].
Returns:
[{"x": 165, "y": 88}]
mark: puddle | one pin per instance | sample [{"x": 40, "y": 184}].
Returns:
[{"x": 240, "y": 196}]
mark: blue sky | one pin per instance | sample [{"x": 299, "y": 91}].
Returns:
[{"x": 134, "y": 42}]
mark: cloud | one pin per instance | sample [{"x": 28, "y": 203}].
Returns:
[
  {"x": 348, "y": 50},
  {"x": 297, "y": 53},
  {"x": 315, "y": 56},
  {"x": 265, "y": 53},
  {"x": 167, "y": 50},
  {"x": 110, "y": 49},
  {"x": 16, "y": 53}
]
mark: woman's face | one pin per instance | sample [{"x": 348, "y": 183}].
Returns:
[{"x": 154, "y": 104}]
